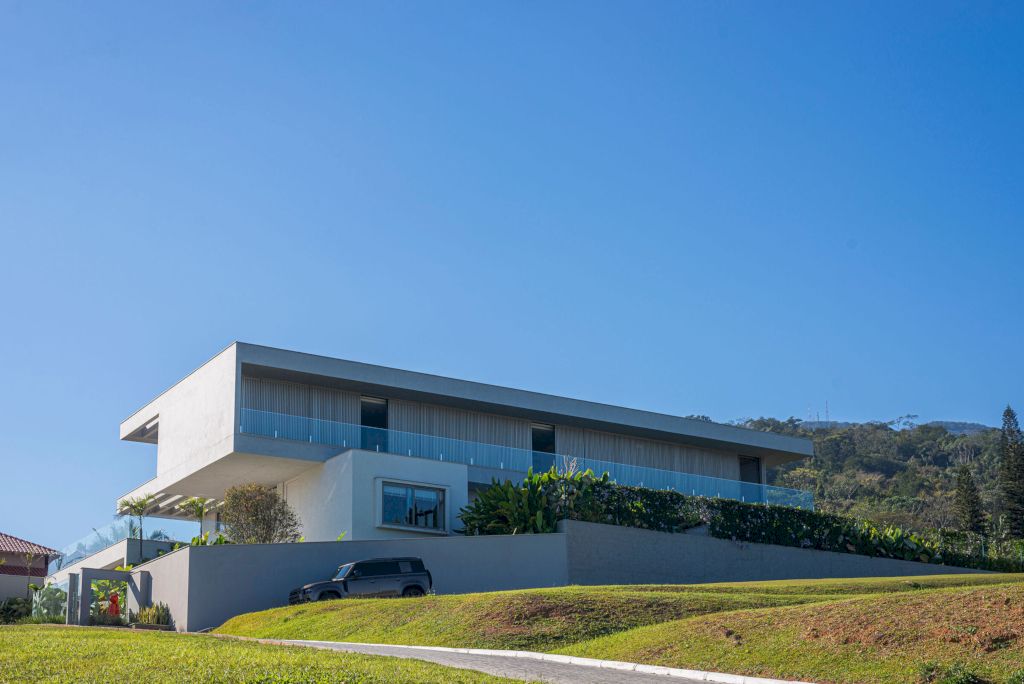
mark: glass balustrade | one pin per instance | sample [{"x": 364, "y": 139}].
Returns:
[
  {"x": 493, "y": 456},
  {"x": 159, "y": 529}
]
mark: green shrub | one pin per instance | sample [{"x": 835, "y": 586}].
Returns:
[
  {"x": 959, "y": 674},
  {"x": 105, "y": 619},
  {"x": 158, "y": 614},
  {"x": 1016, "y": 678},
  {"x": 14, "y": 609}
]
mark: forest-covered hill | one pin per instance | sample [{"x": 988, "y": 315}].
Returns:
[{"x": 897, "y": 472}]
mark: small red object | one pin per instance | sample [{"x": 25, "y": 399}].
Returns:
[{"x": 115, "y": 608}]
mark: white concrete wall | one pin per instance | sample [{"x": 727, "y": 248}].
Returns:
[
  {"x": 196, "y": 416},
  {"x": 343, "y": 494}
]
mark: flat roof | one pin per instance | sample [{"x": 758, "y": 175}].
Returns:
[{"x": 281, "y": 364}]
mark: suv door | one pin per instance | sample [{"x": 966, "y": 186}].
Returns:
[{"x": 374, "y": 578}]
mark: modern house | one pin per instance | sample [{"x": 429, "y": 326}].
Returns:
[
  {"x": 379, "y": 453},
  {"x": 389, "y": 457},
  {"x": 21, "y": 563}
]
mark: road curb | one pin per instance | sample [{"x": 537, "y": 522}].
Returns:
[{"x": 699, "y": 675}]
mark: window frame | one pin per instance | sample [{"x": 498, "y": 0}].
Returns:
[{"x": 443, "y": 490}]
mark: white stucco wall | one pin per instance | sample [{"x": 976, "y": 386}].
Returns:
[
  {"x": 342, "y": 495},
  {"x": 196, "y": 416}
]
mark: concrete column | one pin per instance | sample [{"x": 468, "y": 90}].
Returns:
[
  {"x": 84, "y": 597},
  {"x": 71, "y": 616}
]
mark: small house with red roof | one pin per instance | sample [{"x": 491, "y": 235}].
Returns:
[{"x": 21, "y": 563}]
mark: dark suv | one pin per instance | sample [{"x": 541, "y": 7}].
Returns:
[{"x": 366, "y": 578}]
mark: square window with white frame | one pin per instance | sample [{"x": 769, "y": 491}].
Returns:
[{"x": 409, "y": 505}]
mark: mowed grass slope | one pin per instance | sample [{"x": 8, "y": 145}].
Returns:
[
  {"x": 72, "y": 654},
  {"x": 534, "y": 619},
  {"x": 842, "y": 631},
  {"x": 872, "y": 638}
]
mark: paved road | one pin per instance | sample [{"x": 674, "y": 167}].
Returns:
[{"x": 507, "y": 666}]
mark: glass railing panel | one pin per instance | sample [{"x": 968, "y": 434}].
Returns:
[
  {"x": 117, "y": 530},
  {"x": 346, "y": 435},
  {"x": 695, "y": 485}
]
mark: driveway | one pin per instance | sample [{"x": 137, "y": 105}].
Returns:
[{"x": 528, "y": 669}]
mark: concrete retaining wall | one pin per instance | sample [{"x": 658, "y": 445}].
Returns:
[
  {"x": 608, "y": 554},
  {"x": 204, "y": 586}
]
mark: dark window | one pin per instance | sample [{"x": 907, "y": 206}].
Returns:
[
  {"x": 412, "y": 506},
  {"x": 750, "y": 469},
  {"x": 377, "y": 568},
  {"x": 543, "y": 446},
  {"x": 373, "y": 416}
]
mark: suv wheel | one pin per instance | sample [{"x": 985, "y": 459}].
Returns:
[
  {"x": 328, "y": 596},
  {"x": 410, "y": 592}
]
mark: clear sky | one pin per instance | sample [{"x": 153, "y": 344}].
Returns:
[{"x": 728, "y": 208}]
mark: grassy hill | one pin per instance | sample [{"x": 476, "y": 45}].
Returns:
[
  {"x": 891, "y": 638},
  {"x": 858, "y": 630}
]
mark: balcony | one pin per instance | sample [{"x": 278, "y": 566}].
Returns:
[{"x": 503, "y": 458}]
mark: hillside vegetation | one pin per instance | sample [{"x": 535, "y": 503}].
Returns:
[{"x": 896, "y": 472}]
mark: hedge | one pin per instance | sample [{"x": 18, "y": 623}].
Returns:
[{"x": 535, "y": 505}]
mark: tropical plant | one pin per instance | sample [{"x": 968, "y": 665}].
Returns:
[
  {"x": 256, "y": 514},
  {"x": 195, "y": 507},
  {"x": 136, "y": 506},
  {"x": 533, "y": 506},
  {"x": 14, "y": 609},
  {"x": 157, "y": 614},
  {"x": 50, "y": 603}
]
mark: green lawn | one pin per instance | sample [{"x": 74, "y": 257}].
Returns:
[
  {"x": 852, "y": 630},
  {"x": 89, "y": 654},
  {"x": 533, "y": 619}
]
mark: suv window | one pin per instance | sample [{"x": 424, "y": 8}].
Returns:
[
  {"x": 405, "y": 566},
  {"x": 377, "y": 568}
]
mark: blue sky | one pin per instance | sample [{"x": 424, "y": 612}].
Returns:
[{"x": 736, "y": 209}]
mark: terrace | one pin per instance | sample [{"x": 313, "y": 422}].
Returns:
[{"x": 498, "y": 459}]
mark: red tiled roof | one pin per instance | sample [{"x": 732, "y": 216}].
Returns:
[{"x": 12, "y": 544}]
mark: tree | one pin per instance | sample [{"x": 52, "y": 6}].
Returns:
[
  {"x": 136, "y": 506},
  {"x": 30, "y": 558},
  {"x": 255, "y": 514},
  {"x": 196, "y": 507},
  {"x": 967, "y": 502},
  {"x": 1011, "y": 472}
]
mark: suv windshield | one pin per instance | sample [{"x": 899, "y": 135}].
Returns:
[{"x": 343, "y": 570}]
